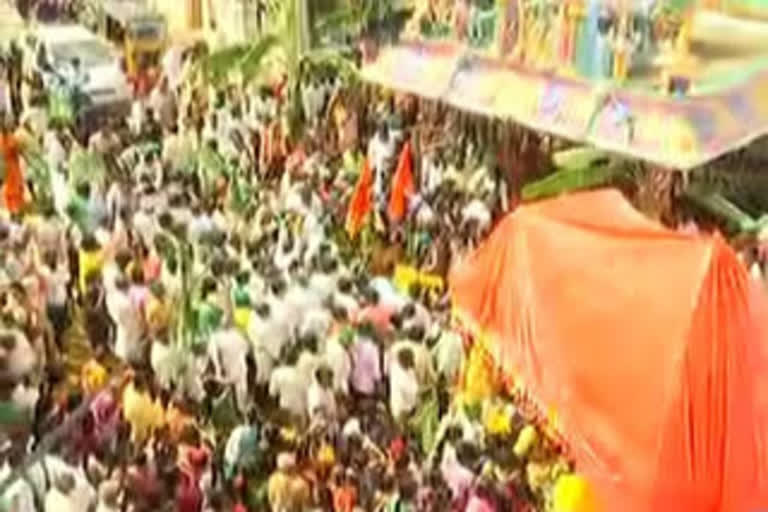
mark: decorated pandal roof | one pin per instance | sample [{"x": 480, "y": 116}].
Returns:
[{"x": 675, "y": 108}]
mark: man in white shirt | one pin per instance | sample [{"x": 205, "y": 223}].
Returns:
[
  {"x": 448, "y": 354},
  {"x": 423, "y": 365},
  {"x": 162, "y": 101},
  {"x": 17, "y": 353},
  {"x": 381, "y": 152},
  {"x": 339, "y": 361},
  {"x": 260, "y": 329},
  {"x": 20, "y": 495},
  {"x": 55, "y": 278},
  {"x": 321, "y": 402},
  {"x": 403, "y": 384},
  {"x": 174, "y": 148},
  {"x": 130, "y": 327},
  {"x": 290, "y": 388},
  {"x": 478, "y": 213},
  {"x": 228, "y": 350},
  {"x": 389, "y": 297},
  {"x": 144, "y": 224}
]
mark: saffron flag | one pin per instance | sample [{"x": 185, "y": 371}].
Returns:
[
  {"x": 361, "y": 201},
  {"x": 402, "y": 185}
]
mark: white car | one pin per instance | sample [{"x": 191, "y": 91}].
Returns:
[{"x": 98, "y": 77}]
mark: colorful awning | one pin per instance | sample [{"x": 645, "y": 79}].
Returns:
[
  {"x": 679, "y": 133},
  {"x": 424, "y": 70}
]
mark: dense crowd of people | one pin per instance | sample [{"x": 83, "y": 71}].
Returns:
[{"x": 209, "y": 312}]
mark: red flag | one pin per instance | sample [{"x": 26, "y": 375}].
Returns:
[
  {"x": 402, "y": 185},
  {"x": 361, "y": 201}
]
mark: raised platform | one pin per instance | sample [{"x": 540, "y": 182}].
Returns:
[{"x": 726, "y": 110}]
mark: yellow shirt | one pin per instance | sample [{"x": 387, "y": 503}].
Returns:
[
  {"x": 93, "y": 377},
  {"x": 498, "y": 421},
  {"x": 177, "y": 422},
  {"x": 158, "y": 314},
  {"x": 90, "y": 262},
  {"x": 242, "y": 318},
  {"x": 479, "y": 375},
  {"x": 287, "y": 492},
  {"x": 525, "y": 441},
  {"x": 142, "y": 413}
]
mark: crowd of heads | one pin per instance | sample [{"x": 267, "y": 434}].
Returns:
[{"x": 182, "y": 302}]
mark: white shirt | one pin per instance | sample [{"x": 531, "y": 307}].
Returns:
[
  {"x": 403, "y": 390},
  {"x": 55, "y": 500},
  {"x": 137, "y": 117},
  {"x": 290, "y": 387},
  {"x": 81, "y": 496},
  {"x": 145, "y": 226},
  {"x": 389, "y": 297},
  {"x": 339, "y": 360},
  {"x": 172, "y": 66},
  {"x": 381, "y": 152},
  {"x": 323, "y": 284},
  {"x": 19, "y": 497},
  {"x": 228, "y": 350},
  {"x": 448, "y": 354},
  {"x": 317, "y": 321},
  {"x": 162, "y": 360},
  {"x": 477, "y": 210},
  {"x": 115, "y": 199},
  {"x": 174, "y": 150},
  {"x": 200, "y": 226},
  {"x": 307, "y": 364},
  {"x": 129, "y": 327},
  {"x": 320, "y": 399},
  {"x": 22, "y": 358},
  {"x": 420, "y": 318},
  {"x": 55, "y": 283},
  {"x": 157, "y": 99},
  {"x": 423, "y": 367},
  {"x": 347, "y": 302},
  {"x": 232, "y": 449}
]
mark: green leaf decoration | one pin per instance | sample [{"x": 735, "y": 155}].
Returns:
[
  {"x": 86, "y": 166},
  {"x": 580, "y": 157},
  {"x": 722, "y": 208},
  {"x": 246, "y": 58},
  {"x": 571, "y": 180},
  {"x": 426, "y": 422}
]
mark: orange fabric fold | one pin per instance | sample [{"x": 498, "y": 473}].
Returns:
[
  {"x": 361, "y": 202},
  {"x": 402, "y": 185},
  {"x": 647, "y": 343},
  {"x": 13, "y": 185}
]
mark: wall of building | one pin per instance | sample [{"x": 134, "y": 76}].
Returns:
[{"x": 220, "y": 22}]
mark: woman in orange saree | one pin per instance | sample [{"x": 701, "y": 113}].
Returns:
[{"x": 13, "y": 184}]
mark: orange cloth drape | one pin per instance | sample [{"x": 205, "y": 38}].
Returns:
[
  {"x": 648, "y": 344},
  {"x": 13, "y": 184},
  {"x": 402, "y": 185},
  {"x": 361, "y": 202}
]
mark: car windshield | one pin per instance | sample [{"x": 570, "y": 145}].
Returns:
[{"x": 90, "y": 52}]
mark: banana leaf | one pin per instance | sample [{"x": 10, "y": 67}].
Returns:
[
  {"x": 426, "y": 422},
  {"x": 580, "y": 157},
  {"x": 37, "y": 170},
  {"x": 571, "y": 180},
  {"x": 210, "y": 166},
  {"x": 245, "y": 58},
  {"x": 39, "y": 174},
  {"x": 723, "y": 209},
  {"x": 678, "y": 5},
  {"x": 86, "y": 166}
]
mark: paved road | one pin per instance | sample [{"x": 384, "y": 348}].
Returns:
[{"x": 10, "y": 21}]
